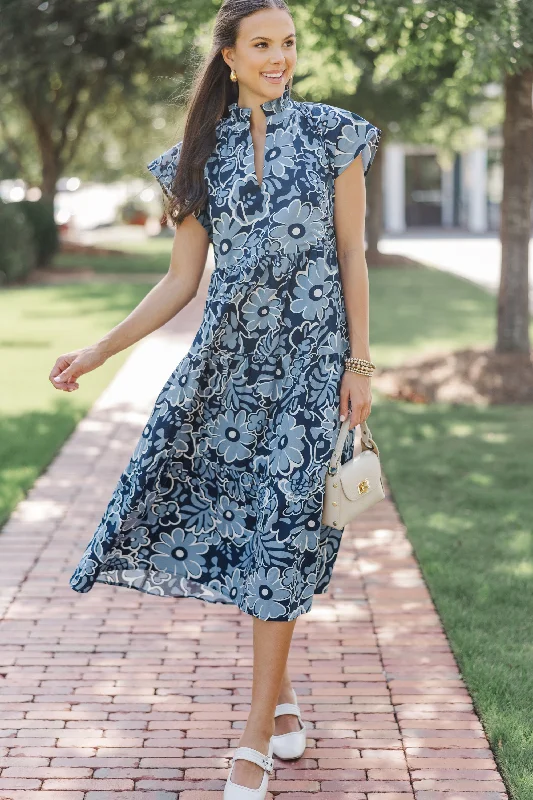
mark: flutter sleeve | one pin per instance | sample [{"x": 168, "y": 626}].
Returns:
[
  {"x": 346, "y": 135},
  {"x": 163, "y": 168}
]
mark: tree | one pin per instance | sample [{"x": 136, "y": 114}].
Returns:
[
  {"x": 494, "y": 43},
  {"x": 61, "y": 60},
  {"x": 515, "y": 230}
]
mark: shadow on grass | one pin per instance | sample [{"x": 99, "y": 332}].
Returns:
[
  {"x": 418, "y": 308},
  {"x": 147, "y": 262},
  {"x": 88, "y": 298},
  {"x": 29, "y": 344}
]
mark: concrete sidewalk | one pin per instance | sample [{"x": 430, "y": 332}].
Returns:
[{"x": 118, "y": 694}]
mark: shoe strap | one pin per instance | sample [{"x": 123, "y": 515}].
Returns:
[
  {"x": 249, "y": 754},
  {"x": 287, "y": 708}
]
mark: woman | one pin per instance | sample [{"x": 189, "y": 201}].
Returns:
[{"x": 222, "y": 498}]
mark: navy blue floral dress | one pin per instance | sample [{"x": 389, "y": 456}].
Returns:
[{"x": 222, "y": 498}]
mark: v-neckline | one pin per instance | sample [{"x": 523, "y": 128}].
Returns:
[
  {"x": 273, "y": 108},
  {"x": 252, "y": 146}
]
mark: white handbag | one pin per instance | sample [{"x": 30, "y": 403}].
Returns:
[{"x": 354, "y": 486}]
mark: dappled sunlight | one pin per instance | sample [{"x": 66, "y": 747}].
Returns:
[
  {"x": 520, "y": 541},
  {"x": 384, "y": 535},
  {"x": 324, "y": 613},
  {"x": 386, "y": 540},
  {"x": 367, "y": 566},
  {"x": 349, "y": 610},
  {"x": 405, "y": 578},
  {"x": 40, "y": 510},
  {"x": 57, "y": 485},
  {"x": 481, "y": 479},
  {"x": 460, "y": 430},
  {"x": 521, "y": 569},
  {"x": 494, "y": 437}
]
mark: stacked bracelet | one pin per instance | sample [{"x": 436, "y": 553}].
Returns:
[{"x": 359, "y": 365}]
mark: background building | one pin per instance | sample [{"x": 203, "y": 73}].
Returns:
[{"x": 418, "y": 193}]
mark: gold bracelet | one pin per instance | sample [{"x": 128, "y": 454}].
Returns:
[
  {"x": 359, "y": 361},
  {"x": 358, "y": 370}
]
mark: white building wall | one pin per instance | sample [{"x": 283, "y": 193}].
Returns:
[
  {"x": 475, "y": 187},
  {"x": 394, "y": 188},
  {"x": 447, "y": 198},
  {"x": 473, "y": 213}
]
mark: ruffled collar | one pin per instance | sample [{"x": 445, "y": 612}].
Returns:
[{"x": 274, "y": 106}]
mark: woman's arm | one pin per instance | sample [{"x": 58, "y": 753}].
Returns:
[
  {"x": 170, "y": 295},
  {"x": 349, "y": 221},
  {"x": 163, "y": 301}
]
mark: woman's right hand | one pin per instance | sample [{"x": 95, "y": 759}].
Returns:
[{"x": 70, "y": 366}]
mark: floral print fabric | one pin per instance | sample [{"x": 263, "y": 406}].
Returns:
[{"x": 222, "y": 498}]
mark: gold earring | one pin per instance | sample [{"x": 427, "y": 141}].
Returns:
[{"x": 233, "y": 75}]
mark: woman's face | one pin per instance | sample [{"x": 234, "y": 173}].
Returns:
[{"x": 264, "y": 55}]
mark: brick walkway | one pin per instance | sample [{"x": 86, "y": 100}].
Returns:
[{"x": 117, "y": 694}]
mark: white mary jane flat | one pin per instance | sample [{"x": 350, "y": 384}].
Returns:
[
  {"x": 233, "y": 791},
  {"x": 289, "y": 746}
]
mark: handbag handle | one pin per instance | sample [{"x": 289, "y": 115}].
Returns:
[{"x": 366, "y": 440}]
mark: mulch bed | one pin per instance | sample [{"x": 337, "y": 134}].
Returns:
[
  {"x": 48, "y": 275},
  {"x": 475, "y": 376},
  {"x": 58, "y": 275},
  {"x": 89, "y": 249}
]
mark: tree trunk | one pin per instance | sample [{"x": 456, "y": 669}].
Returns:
[
  {"x": 515, "y": 227},
  {"x": 50, "y": 158},
  {"x": 374, "y": 220},
  {"x": 50, "y": 173}
]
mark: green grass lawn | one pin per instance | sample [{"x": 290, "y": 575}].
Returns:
[
  {"x": 38, "y": 325},
  {"x": 152, "y": 255},
  {"x": 461, "y": 477}
]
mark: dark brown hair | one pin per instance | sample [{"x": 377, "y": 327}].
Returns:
[{"x": 212, "y": 92}]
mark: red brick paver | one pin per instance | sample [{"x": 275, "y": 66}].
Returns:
[{"x": 118, "y": 694}]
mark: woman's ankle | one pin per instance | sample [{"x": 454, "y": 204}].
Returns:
[
  {"x": 286, "y": 694},
  {"x": 258, "y": 730}
]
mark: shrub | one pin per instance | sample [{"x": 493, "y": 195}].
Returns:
[
  {"x": 40, "y": 217},
  {"x": 17, "y": 252}
]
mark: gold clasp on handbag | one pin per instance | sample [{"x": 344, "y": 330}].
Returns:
[{"x": 364, "y": 486}]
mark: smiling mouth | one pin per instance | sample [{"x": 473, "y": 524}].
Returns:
[{"x": 274, "y": 77}]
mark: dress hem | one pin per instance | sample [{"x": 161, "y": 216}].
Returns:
[{"x": 229, "y": 602}]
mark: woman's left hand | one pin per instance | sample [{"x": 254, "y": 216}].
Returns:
[{"x": 356, "y": 389}]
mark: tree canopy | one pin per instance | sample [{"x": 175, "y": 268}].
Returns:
[{"x": 60, "y": 60}]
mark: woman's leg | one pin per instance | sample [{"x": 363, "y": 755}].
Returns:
[
  {"x": 272, "y": 641},
  {"x": 286, "y": 723}
]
